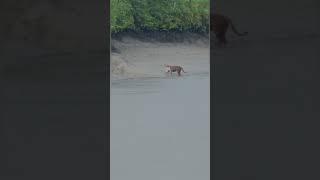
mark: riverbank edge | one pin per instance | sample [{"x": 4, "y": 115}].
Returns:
[{"x": 160, "y": 37}]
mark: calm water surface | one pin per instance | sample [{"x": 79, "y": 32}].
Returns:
[{"x": 160, "y": 128}]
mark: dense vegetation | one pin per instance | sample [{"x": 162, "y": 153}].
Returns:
[{"x": 159, "y": 15}]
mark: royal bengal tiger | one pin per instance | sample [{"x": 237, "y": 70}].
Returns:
[
  {"x": 171, "y": 69},
  {"x": 219, "y": 24}
]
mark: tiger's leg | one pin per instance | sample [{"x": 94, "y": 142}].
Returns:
[
  {"x": 224, "y": 33},
  {"x": 222, "y": 39},
  {"x": 217, "y": 39}
]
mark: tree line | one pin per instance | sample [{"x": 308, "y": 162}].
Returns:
[{"x": 159, "y": 15}]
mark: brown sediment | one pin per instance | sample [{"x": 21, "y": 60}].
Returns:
[{"x": 136, "y": 55}]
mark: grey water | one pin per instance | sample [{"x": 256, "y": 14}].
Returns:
[{"x": 160, "y": 128}]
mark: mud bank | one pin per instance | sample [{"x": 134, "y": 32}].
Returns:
[{"x": 143, "y": 55}]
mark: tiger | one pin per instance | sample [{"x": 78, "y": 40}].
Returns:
[
  {"x": 219, "y": 25},
  {"x": 177, "y": 69}
]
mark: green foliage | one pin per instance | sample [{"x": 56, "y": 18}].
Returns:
[
  {"x": 121, "y": 15},
  {"x": 160, "y": 15}
]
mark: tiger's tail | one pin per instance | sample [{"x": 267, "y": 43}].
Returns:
[{"x": 235, "y": 30}]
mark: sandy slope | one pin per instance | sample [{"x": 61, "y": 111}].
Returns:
[{"x": 146, "y": 59}]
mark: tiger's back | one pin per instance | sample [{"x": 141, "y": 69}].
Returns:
[{"x": 219, "y": 24}]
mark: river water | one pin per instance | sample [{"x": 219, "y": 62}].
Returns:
[{"x": 160, "y": 124}]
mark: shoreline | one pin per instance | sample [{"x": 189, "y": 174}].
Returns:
[
  {"x": 159, "y": 37},
  {"x": 136, "y": 55}
]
